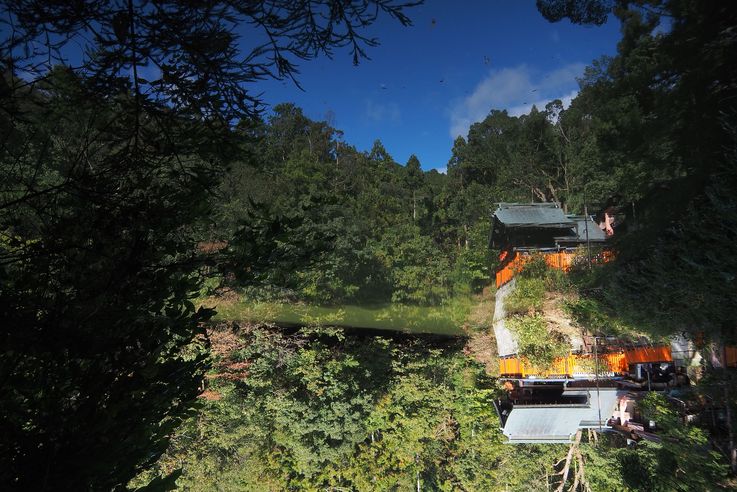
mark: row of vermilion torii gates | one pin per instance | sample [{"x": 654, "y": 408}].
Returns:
[{"x": 612, "y": 361}]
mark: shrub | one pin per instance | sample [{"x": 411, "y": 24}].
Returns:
[
  {"x": 210, "y": 285},
  {"x": 419, "y": 270},
  {"x": 527, "y": 297},
  {"x": 595, "y": 317},
  {"x": 535, "y": 268},
  {"x": 536, "y": 344}
]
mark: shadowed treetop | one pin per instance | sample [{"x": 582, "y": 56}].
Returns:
[{"x": 195, "y": 57}]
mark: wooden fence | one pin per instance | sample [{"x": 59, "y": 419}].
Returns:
[
  {"x": 730, "y": 355},
  {"x": 610, "y": 363},
  {"x": 559, "y": 260}
]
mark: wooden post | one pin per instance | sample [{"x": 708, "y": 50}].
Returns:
[
  {"x": 596, "y": 360},
  {"x": 730, "y": 428},
  {"x": 586, "y": 216}
]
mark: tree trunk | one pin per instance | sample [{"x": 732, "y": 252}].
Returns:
[{"x": 567, "y": 467}]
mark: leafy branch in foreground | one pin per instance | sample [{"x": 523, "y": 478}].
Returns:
[{"x": 117, "y": 124}]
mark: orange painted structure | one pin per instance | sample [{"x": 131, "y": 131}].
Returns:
[
  {"x": 730, "y": 355},
  {"x": 559, "y": 259},
  {"x": 612, "y": 363}
]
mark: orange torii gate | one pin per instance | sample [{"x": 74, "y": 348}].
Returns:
[
  {"x": 579, "y": 364},
  {"x": 730, "y": 355},
  {"x": 559, "y": 259}
]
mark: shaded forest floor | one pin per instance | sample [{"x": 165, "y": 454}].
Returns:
[
  {"x": 471, "y": 316},
  {"x": 454, "y": 316},
  {"x": 481, "y": 344}
]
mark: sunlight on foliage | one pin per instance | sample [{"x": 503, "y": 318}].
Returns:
[{"x": 536, "y": 343}]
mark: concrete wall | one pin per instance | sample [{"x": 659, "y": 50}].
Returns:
[{"x": 505, "y": 340}]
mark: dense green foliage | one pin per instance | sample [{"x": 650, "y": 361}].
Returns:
[
  {"x": 527, "y": 297},
  {"x": 319, "y": 410},
  {"x": 113, "y": 188},
  {"x": 106, "y": 179},
  {"x": 536, "y": 343},
  {"x": 662, "y": 116},
  {"x": 351, "y": 413},
  {"x": 311, "y": 218},
  {"x": 100, "y": 348}
]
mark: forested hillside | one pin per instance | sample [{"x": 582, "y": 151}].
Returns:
[
  {"x": 132, "y": 208},
  {"x": 307, "y": 216},
  {"x": 308, "y": 213}
]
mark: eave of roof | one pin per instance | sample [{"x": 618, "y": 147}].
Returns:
[
  {"x": 594, "y": 232},
  {"x": 552, "y": 440}
]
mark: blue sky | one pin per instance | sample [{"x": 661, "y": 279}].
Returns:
[{"x": 427, "y": 83}]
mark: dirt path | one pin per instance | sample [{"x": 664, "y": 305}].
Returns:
[
  {"x": 560, "y": 321},
  {"x": 481, "y": 343}
]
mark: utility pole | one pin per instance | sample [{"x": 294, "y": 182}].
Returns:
[
  {"x": 596, "y": 361},
  {"x": 417, "y": 473},
  {"x": 730, "y": 430},
  {"x": 586, "y": 217}
]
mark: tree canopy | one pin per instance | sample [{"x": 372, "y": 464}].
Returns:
[
  {"x": 119, "y": 120},
  {"x": 140, "y": 174}
]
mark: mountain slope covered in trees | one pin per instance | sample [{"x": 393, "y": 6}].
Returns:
[{"x": 124, "y": 200}]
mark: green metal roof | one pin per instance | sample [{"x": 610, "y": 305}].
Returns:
[
  {"x": 595, "y": 233},
  {"x": 547, "y": 215}
]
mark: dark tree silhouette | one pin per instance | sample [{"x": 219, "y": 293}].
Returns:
[
  {"x": 578, "y": 11},
  {"x": 116, "y": 123}
]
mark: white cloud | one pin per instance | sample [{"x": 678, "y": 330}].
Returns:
[
  {"x": 381, "y": 112},
  {"x": 516, "y": 90},
  {"x": 442, "y": 170},
  {"x": 540, "y": 104}
]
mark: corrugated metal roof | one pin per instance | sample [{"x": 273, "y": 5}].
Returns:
[
  {"x": 552, "y": 424},
  {"x": 559, "y": 423},
  {"x": 532, "y": 215},
  {"x": 595, "y": 233}
]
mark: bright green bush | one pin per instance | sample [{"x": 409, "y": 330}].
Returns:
[
  {"x": 527, "y": 297},
  {"x": 420, "y": 273},
  {"x": 535, "y": 268},
  {"x": 535, "y": 342},
  {"x": 326, "y": 413}
]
